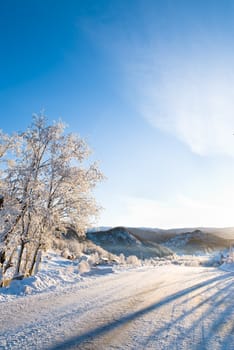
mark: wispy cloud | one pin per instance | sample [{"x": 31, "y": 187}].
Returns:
[
  {"x": 177, "y": 62},
  {"x": 189, "y": 97}
]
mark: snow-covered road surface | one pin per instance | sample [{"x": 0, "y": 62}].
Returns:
[{"x": 166, "y": 307}]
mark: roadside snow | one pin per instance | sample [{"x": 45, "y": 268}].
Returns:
[
  {"x": 228, "y": 267},
  {"x": 55, "y": 273}
]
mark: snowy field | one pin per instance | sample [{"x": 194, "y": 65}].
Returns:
[{"x": 163, "y": 307}]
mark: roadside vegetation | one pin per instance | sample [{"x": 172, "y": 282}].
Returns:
[{"x": 46, "y": 186}]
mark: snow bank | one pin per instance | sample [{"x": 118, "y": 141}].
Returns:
[
  {"x": 229, "y": 267},
  {"x": 56, "y": 273}
]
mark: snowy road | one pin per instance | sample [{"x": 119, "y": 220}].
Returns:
[{"x": 166, "y": 307}]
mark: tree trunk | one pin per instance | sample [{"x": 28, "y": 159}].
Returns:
[
  {"x": 38, "y": 261},
  {"x": 2, "y": 257},
  {"x": 17, "y": 219},
  {"x": 17, "y": 269},
  {"x": 26, "y": 262},
  {"x": 34, "y": 259},
  {"x": 1, "y": 277},
  {"x": 9, "y": 261}
]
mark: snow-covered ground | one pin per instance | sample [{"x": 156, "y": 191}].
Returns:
[
  {"x": 163, "y": 307},
  {"x": 55, "y": 274},
  {"x": 229, "y": 267}
]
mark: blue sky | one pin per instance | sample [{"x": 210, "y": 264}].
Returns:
[{"x": 150, "y": 86}]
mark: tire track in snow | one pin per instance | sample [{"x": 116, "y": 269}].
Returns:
[{"x": 162, "y": 308}]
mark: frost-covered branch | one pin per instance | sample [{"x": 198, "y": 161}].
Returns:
[{"x": 44, "y": 186}]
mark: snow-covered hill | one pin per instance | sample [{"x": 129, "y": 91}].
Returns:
[
  {"x": 189, "y": 241},
  {"x": 121, "y": 240},
  {"x": 198, "y": 242},
  {"x": 137, "y": 241}
]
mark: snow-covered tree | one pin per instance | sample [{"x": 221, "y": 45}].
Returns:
[
  {"x": 46, "y": 185},
  {"x": 133, "y": 260}
]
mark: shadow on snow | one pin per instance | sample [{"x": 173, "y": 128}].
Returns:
[{"x": 215, "y": 300}]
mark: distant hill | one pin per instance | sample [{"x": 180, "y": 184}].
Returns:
[
  {"x": 147, "y": 241},
  {"x": 121, "y": 240},
  {"x": 189, "y": 241},
  {"x": 198, "y": 242}
]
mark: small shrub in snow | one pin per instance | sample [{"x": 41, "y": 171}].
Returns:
[
  {"x": 28, "y": 290},
  {"x": 192, "y": 263},
  {"x": 150, "y": 262},
  {"x": 75, "y": 248},
  {"x": 133, "y": 260},
  {"x": 58, "y": 244},
  {"x": 69, "y": 249},
  {"x": 83, "y": 258},
  {"x": 230, "y": 256},
  {"x": 83, "y": 267},
  {"x": 65, "y": 253},
  {"x": 94, "y": 259},
  {"x": 122, "y": 259}
]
